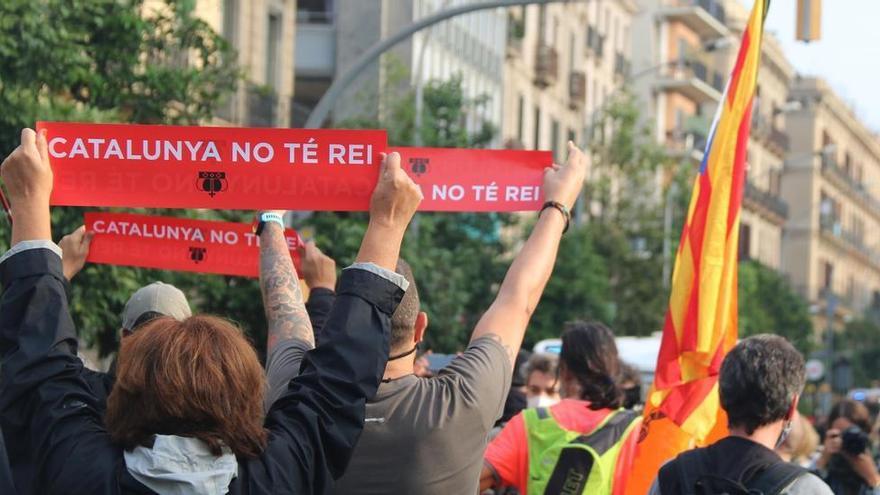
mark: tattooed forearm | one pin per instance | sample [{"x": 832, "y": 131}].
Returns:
[{"x": 282, "y": 298}]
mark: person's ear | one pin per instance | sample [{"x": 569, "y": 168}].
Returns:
[
  {"x": 792, "y": 409},
  {"x": 420, "y": 327}
]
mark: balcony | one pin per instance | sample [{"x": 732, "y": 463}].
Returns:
[
  {"x": 315, "y": 50},
  {"x": 690, "y": 78},
  {"x": 848, "y": 240},
  {"x": 577, "y": 89},
  {"x": 854, "y": 189},
  {"x": 622, "y": 66},
  {"x": 763, "y": 129},
  {"x": 766, "y": 203},
  {"x": 707, "y": 18},
  {"x": 262, "y": 107},
  {"x": 546, "y": 66}
]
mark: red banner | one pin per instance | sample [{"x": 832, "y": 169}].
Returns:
[
  {"x": 477, "y": 180},
  {"x": 258, "y": 169},
  {"x": 180, "y": 244},
  {"x": 212, "y": 167}
]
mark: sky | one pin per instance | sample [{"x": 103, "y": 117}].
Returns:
[{"x": 847, "y": 56}]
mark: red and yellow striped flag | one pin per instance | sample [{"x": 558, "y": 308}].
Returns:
[{"x": 683, "y": 409}]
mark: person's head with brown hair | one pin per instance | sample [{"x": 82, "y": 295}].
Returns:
[
  {"x": 199, "y": 378},
  {"x": 848, "y": 413},
  {"x": 408, "y": 323},
  {"x": 589, "y": 365}
]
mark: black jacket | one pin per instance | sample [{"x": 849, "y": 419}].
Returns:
[
  {"x": 313, "y": 427},
  {"x": 318, "y": 306}
]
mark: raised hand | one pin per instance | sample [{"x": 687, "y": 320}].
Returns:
[
  {"x": 75, "y": 249},
  {"x": 396, "y": 197},
  {"x": 28, "y": 178},
  {"x": 563, "y": 183},
  {"x": 318, "y": 269},
  {"x": 392, "y": 206}
]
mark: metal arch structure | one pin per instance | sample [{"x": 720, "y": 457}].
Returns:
[{"x": 325, "y": 104}]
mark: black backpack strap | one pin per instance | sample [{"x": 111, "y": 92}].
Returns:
[
  {"x": 680, "y": 475},
  {"x": 776, "y": 478}
]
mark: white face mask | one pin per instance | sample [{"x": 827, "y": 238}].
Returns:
[{"x": 541, "y": 401}]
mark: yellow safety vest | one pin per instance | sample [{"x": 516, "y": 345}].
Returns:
[{"x": 565, "y": 462}]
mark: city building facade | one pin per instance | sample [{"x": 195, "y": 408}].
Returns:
[
  {"x": 563, "y": 61},
  {"x": 332, "y": 35},
  {"x": 831, "y": 181},
  {"x": 263, "y": 35}
]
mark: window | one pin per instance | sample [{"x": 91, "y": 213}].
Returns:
[
  {"x": 537, "y": 140},
  {"x": 230, "y": 21},
  {"x": 827, "y": 276},
  {"x": 554, "y": 139},
  {"x": 775, "y": 182},
  {"x": 745, "y": 242},
  {"x": 682, "y": 52},
  {"x": 273, "y": 48},
  {"x": 520, "y": 117},
  {"x": 314, "y": 11}
]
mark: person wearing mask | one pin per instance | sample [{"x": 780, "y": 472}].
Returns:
[
  {"x": 631, "y": 384},
  {"x": 186, "y": 411},
  {"x": 759, "y": 384},
  {"x": 585, "y": 443},
  {"x": 427, "y": 435},
  {"x": 847, "y": 463},
  {"x": 542, "y": 382}
]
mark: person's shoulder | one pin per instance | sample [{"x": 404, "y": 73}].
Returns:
[{"x": 808, "y": 484}]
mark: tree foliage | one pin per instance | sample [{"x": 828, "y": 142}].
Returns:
[
  {"x": 117, "y": 61},
  {"x": 768, "y": 304}
]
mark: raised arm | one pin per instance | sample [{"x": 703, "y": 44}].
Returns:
[
  {"x": 509, "y": 314},
  {"x": 318, "y": 420},
  {"x": 319, "y": 272},
  {"x": 75, "y": 249},
  {"x": 282, "y": 298},
  {"x": 47, "y": 411}
]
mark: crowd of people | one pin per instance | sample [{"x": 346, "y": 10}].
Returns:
[{"x": 344, "y": 404}]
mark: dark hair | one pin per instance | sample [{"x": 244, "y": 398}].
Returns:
[
  {"x": 630, "y": 374},
  {"x": 590, "y": 355},
  {"x": 403, "y": 321},
  {"x": 199, "y": 378},
  {"x": 545, "y": 363},
  {"x": 854, "y": 411},
  {"x": 759, "y": 379}
]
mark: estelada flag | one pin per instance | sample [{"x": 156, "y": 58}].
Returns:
[{"x": 683, "y": 409}]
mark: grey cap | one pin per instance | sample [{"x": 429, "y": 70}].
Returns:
[{"x": 159, "y": 298}]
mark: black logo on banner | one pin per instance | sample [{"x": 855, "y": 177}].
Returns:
[
  {"x": 197, "y": 254},
  {"x": 419, "y": 165},
  {"x": 212, "y": 182}
]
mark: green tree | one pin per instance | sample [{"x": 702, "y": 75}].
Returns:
[
  {"x": 457, "y": 258},
  {"x": 577, "y": 290},
  {"x": 625, "y": 221},
  {"x": 117, "y": 61},
  {"x": 859, "y": 342},
  {"x": 768, "y": 304}
]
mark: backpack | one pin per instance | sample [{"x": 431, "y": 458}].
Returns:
[{"x": 773, "y": 480}]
